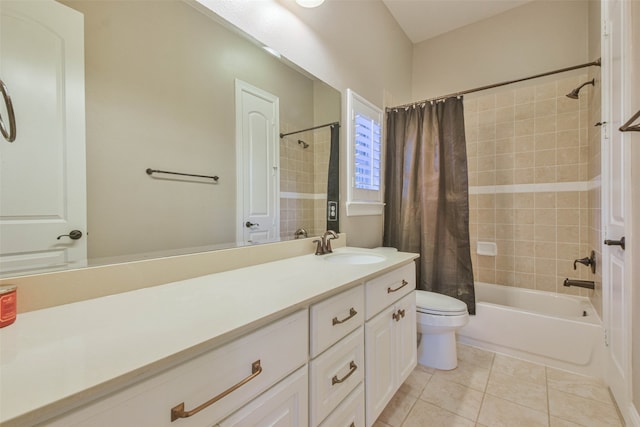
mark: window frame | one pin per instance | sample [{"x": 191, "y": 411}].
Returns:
[{"x": 362, "y": 201}]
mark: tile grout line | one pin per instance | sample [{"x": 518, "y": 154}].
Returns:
[
  {"x": 486, "y": 386},
  {"x": 404, "y": 419},
  {"x": 546, "y": 383}
]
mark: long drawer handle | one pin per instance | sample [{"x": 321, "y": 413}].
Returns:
[
  {"x": 9, "y": 134},
  {"x": 404, "y": 283},
  {"x": 179, "y": 412},
  {"x": 352, "y": 312},
  {"x": 352, "y": 369}
]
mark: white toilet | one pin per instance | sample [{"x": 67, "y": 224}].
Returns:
[{"x": 438, "y": 317}]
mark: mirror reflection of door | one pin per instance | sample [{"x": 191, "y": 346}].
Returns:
[
  {"x": 258, "y": 174},
  {"x": 42, "y": 65}
]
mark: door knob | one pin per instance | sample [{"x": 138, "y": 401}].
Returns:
[
  {"x": 250, "y": 224},
  {"x": 73, "y": 235},
  {"x": 615, "y": 242}
]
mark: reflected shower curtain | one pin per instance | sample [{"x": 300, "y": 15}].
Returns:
[
  {"x": 427, "y": 195},
  {"x": 333, "y": 184}
]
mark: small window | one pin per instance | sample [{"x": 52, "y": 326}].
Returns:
[
  {"x": 364, "y": 157},
  {"x": 367, "y": 152}
]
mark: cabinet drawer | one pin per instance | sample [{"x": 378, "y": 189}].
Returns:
[
  {"x": 383, "y": 291},
  {"x": 150, "y": 402},
  {"x": 350, "y": 413},
  {"x": 333, "y": 318},
  {"x": 334, "y": 374},
  {"x": 285, "y": 404}
]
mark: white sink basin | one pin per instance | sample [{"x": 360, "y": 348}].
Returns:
[{"x": 354, "y": 258}]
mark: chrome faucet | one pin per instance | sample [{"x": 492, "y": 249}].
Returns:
[{"x": 324, "y": 243}]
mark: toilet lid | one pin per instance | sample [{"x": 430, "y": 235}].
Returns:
[{"x": 434, "y": 303}]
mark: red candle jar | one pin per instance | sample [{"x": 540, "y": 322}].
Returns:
[{"x": 8, "y": 305}]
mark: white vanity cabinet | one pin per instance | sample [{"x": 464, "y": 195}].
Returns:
[
  {"x": 330, "y": 353},
  {"x": 337, "y": 351},
  {"x": 390, "y": 337},
  {"x": 227, "y": 377}
]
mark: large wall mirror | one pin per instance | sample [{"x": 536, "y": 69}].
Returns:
[{"x": 160, "y": 81}]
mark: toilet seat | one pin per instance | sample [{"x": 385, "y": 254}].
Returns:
[{"x": 439, "y": 304}]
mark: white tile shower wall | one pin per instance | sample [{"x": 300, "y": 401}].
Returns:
[{"x": 530, "y": 145}]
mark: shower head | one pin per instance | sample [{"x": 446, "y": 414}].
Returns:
[
  {"x": 304, "y": 144},
  {"x": 574, "y": 93}
]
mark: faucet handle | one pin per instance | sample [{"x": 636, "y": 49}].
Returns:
[
  {"x": 328, "y": 236},
  {"x": 589, "y": 261},
  {"x": 320, "y": 247}
]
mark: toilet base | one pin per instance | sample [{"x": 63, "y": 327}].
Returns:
[{"x": 438, "y": 351}]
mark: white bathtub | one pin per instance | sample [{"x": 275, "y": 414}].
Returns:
[{"x": 555, "y": 330}]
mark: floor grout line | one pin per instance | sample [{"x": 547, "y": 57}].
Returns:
[{"x": 491, "y": 368}]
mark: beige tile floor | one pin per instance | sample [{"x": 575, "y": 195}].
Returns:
[{"x": 494, "y": 390}]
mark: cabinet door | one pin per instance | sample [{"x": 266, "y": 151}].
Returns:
[
  {"x": 285, "y": 405},
  {"x": 379, "y": 363},
  {"x": 405, "y": 338}
]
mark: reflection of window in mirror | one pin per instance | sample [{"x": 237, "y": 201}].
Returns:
[{"x": 364, "y": 160}]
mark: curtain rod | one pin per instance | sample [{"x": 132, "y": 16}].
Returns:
[
  {"x": 597, "y": 62},
  {"x": 282, "y": 135}
]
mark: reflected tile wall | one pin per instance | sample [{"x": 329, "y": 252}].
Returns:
[
  {"x": 528, "y": 158},
  {"x": 303, "y": 181}
]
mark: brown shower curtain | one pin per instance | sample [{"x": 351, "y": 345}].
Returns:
[{"x": 427, "y": 195}]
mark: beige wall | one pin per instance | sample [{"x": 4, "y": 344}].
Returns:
[
  {"x": 160, "y": 88},
  {"x": 374, "y": 60},
  {"x": 537, "y": 37}
]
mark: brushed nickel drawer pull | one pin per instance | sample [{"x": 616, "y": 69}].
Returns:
[
  {"x": 352, "y": 312},
  {"x": 10, "y": 133},
  {"x": 352, "y": 369},
  {"x": 404, "y": 283},
  {"x": 397, "y": 316},
  {"x": 179, "y": 412}
]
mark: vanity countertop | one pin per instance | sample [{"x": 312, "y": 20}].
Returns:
[{"x": 55, "y": 359}]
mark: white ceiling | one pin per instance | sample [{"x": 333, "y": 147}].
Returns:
[{"x": 424, "y": 19}]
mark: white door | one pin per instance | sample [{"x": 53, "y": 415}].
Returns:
[
  {"x": 380, "y": 363},
  {"x": 406, "y": 347},
  {"x": 634, "y": 159},
  {"x": 615, "y": 206},
  {"x": 42, "y": 173},
  {"x": 258, "y": 161}
]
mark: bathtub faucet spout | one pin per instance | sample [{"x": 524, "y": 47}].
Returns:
[{"x": 588, "y": 284}]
